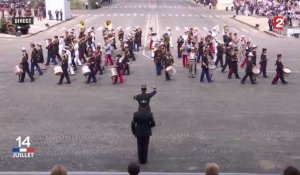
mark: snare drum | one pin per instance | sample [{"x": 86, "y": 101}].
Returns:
[
  {"x": 171, "y": 71},
  {"x": 286, "y": 71},
  {"x": 212, "y": 67},
  {"x": 18, "y": 70},
  {"x": 85, "y": 70},
  {"x": 255, "y": 70},
  {"x": 113, "y": 72},
  {"x": 58, "y": 70}
]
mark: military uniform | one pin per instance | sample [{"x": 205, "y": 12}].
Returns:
[
  {"x": 263, "y": 63},
  {"x": 234, "y": 65},
  {"x": 279, "y": 70},
  {"x": 204, "y": 67},
  {"x": 249, "y": 73},
  {"x": 25, "y": 67},
  {"x": 34, "y": 60},
  {"x": 167, "y": 61},
  {"x": 64, "y": 66},
  {"x": 141, "y": 126},
  {"x": 91, "y": 64},
  {"x": 145, "y": 97}
]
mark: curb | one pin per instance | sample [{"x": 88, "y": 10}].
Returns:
[
  {"x": 267, "y": 32},
  {"x": 29, "y": 35}
]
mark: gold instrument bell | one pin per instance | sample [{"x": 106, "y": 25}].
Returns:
[
  {"x": 108, "y": 24},
  {"x": 82, "y": 27}
]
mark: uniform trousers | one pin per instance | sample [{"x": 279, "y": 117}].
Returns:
[
  {"x": 65, "y": 74},
  {"x": 219, "y": 59},
  {"x": 98, "y": 67},
  {"x": 126, "y": 69},
  {"x": 263, "y": 68},
  {"x": 205, "y": 72},
  {"x": 158, "y": 66},
  {"x": 244, "y": 62},
  {"x": 49, "y": 56},
  {"x": 120, "y": 76},
  {"x": 192, "y": 68},
  {"x": 233, "y": 69},
  {"x": 33, "y": 65},
  {"x": 108, "y": 59},
  {"x": 250, "y": 74},
  {"x": 92, "y": 74},
  {"x": 26, "y": 70},
  {"x": 184, "y": 60},
  {"x": 143, "y": 145},
  {"x": 279, "y": 75}
]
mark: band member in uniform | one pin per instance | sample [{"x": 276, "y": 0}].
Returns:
[
  {"x": 220, "y": 53},
  {"x": 228, "y": 52},
  {"x": 70, "y": 60},
  {"x": 64, "y": 66},
  {"x": 121, "y": 34},
  {"x": 158, "y": 61},
  {"x": 201, "y": 45},
  {"x": 108, "y": 54},
  {"x": 91, "y": 64},
  {"x": 40, "y": 56},
  {"x": 141, "y": 126},
  {"x": 192, "y": 62},
  {"x": 25, "y": 66},
  {"x": 50, "y": 54},
  {"x": 254, "y": 53},
  {"x": 249, "y": 73},
  {"x": 98, "y": 60},
  {"x": 263, "y": 63},
  {"x": 180, "y": 42},
  {"x": 119, "y": 67},
  {"x": 56, "y": 48},
  {"x": 248, "y": 50},
  {"x": 167, "y": 61},
  {"x": 145, "y": 97},
  {"x": 234, "y": 65},
  {"x": 279, "y": 70},
  {"x": 34, "y": 60},
  {"x": 126, "y": 61},
  {"x": 204, "y": 67}
]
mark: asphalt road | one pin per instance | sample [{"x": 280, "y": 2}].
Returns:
[{"x": 244, "y": 128}]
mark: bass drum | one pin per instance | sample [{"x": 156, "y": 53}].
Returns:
[
  {"x": 58, "y": 70},
  {"x": 85, "y": 70},
  {"x": 171, "y": 71},
  {"x": 18, "y": 70}
]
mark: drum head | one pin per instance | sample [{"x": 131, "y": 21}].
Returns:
[
  {"x": 212, "y": 67},
  {"x": 287, "y": 70}
]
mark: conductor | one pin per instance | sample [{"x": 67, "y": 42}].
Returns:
[
  {"x": 141, "y": 126},
  {"x": 145, "y": 97}
]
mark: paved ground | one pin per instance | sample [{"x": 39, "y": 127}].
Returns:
[{"x": 244, "y": 128}]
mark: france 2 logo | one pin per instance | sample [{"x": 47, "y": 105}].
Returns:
[{"x": 278, "y": 22}]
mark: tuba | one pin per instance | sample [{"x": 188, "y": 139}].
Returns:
[{"x": 108, "y": 24}]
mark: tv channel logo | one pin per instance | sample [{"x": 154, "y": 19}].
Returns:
[{"x": 23, "y": 150}]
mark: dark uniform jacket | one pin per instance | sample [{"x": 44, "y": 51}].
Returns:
[
  {"x": 145, "y": 98},
  {"x": 263, "y": 59},
  {"x": 64, "y": 63},
  {"x": 249, "y": 67},
  {"x": 142, "y": 123},
  {"x": 24, "y": 62},
  {"x": 34, "y": 56},
  {"x": 279, "y": 65}
]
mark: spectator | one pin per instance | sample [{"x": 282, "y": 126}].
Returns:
[
  {"x": 290, "y": 170},
  {"x": 56, "y": 14},
  {"x": 58, "y": 170},
  {"x": 61, "y": 14},
  {"x": 133, "y": 168},
  {"x": 212, "y": 169}
]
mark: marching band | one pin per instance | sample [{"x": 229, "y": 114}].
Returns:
[{"x": 192, "y": 48}]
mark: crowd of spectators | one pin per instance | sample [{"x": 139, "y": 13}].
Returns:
[
  {"x": 22, "y": 8},
  {"x": 134, "y": 169},
  {"x": 290, "y": 9}
]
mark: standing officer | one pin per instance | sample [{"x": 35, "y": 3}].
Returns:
[
  {"x": 249, "y": 73},
  {"x": 25, "y": 66},
  {"x": 141, "y": 126},
  {"x": 64, "y": 66},
  {"x": 279, "y": 70},
  {"x": 167, "y": 61},
  {"x": 263, "y": 63},
  {"x": 145, "y": 97}
]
